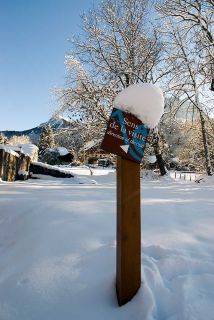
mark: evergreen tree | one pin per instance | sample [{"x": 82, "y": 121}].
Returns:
[{"x": 46, "y": 139}]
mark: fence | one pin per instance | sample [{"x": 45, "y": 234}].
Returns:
[
  {"x": 13, "y": 167},
  {"x": 187, "y": 175}
]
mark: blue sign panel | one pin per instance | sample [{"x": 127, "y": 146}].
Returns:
[{"x": 125, "y": 136}]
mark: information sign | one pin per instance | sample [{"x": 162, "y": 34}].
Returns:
[{"x": 125, "y": 136}]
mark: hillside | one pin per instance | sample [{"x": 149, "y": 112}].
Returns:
[{"x": 34, "y": 133}]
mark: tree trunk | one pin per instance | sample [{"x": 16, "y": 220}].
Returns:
[
  {"x": 161, "y": 164},
  {"x": 158, "y": 155},
  {"x": 206, "y": 145},
  {"x": 212, "y": 85}
]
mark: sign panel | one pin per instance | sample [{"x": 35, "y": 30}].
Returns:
[{"x": 125, "y": 136}]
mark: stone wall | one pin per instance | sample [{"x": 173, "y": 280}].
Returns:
[{"x": 13, "y": 167}]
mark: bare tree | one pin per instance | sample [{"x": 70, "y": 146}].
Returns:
[
  {"x": 86, "y": 102},
  {"x": 196, "y": 17},
  {"x": 19, "y": 140},
  {"x": 118, "y": 42},
  {"x": 185, "y": 80},
  {"x": 118, "y": 48}
]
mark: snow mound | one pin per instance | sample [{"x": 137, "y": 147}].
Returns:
[
  {"x": 29, "y": 149},
  {"x": 22, "y": 173},
  {"x": 66, "y": 171},
  {"x": 63, "y": 181},
  {"x": 168, "y": 271},
  {"x": 152, "y": 159},
  {"x": 145, "y": 101},
  {"x": 209, "y": 180},
  {"x": 7, "y": 148},
  {"x": 50, "y": 167},
  {"x": 84, "y": 180},
  {"x": 149, "y": 175},
  {"x": 62, "y": 151}
]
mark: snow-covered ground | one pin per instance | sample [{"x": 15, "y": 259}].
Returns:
[
  {"x": 57, "y": 250},
  {"x": 88, "y": 170}
]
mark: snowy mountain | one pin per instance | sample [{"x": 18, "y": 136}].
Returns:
[{"x": 34, "y": 133}]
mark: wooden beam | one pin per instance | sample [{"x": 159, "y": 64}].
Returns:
[{"x": 128, "y": 278}]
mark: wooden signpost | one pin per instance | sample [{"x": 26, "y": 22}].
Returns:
[{"x": 126, "y": 137}]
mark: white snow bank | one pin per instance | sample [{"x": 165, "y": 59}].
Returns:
[
  {"x": 152, "y": 159},
  {"x": 75, "y": 179},
  {"x": 48, "y": 166},
  {"x": 62, "y": 151},
  {"x": 22, "y": 173},
  {"x": 86, "y": 170},
  {"x": 63, "y": 181},
  {"x": 29, "y": 149},
  {"x": 209, "y": 180},
  {"x": 7, "y": 148},
  {"x": 58, "y": 255},
  {"x": 145, "y": 101},
  {"x": 84, "y": 180},
  {"x": 149, "y": 175}
]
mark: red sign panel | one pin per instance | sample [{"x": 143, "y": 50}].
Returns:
[{"x": 125, "y": 136}]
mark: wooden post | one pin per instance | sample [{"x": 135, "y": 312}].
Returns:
[
  {"x": 128, "y": 279},
  {"x": 2, "y": 155}
]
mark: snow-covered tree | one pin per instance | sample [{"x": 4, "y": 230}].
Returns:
[
  {"x": 46, "y": 139},
  {"x": 72, "y": 138},
  {"x": 185, "y": 80},
  {"x": 189, "y": 44},
  {"x": 2, "y": 138},
  {"x": 118, "y": 48},
  {"x": 119, "y": 43},
  {"x": 86, "y": 102},
  {"x": 185, "y": 141},
  {"x": 196, "y": 17},
  {"x": 19, "y": 140}
]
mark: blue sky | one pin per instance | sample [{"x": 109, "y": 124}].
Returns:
[{"x": 33, "y": 43}]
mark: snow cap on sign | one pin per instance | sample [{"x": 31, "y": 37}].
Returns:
[{"x": 145, "y": 101}]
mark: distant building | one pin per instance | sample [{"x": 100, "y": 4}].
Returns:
[{"x": 91, "y": 152}]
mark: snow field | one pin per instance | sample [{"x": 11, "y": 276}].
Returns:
[
  {"x": 57, "y": 251},
  {"x": 86, "y": 170}
]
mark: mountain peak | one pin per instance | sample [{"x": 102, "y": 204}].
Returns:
[{"x": 56, "y": 122}]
